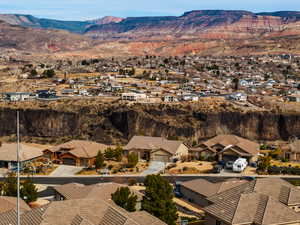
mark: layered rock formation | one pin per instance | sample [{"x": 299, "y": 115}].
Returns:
[{"x": 118, "y": 123}]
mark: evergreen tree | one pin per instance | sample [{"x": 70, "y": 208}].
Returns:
[
  {"x": 133, "y": 159},
  {"x": 125, "y": 199},
  {"x": 158, "y": 199},
  {"x": 109, "y": 153},
  {"x": 28, "y": 191},
  {"x": 99, "y": 162},
  {"x": 118, "y": 154},
  {"x": 10, "y": 185}
]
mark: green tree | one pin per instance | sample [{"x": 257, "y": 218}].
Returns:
[
  {"x": 158, "y": 199},
  {"x": 28, "y": 191},
  {"x": 99, "y": 161},
  {"x": 264, "y": 163},
  {"x": 10, "y": 185},
  {"x": 109, "y": 153},
  {"x": 124, "y": 198},
  {"x": 133, "y": 159},
  {"x": 118, "y": 153},
  {"x": 49, "y": 73},
  {"x": 33, "y": 73}
]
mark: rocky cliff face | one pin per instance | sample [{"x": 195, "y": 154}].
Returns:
[
  {"x": 117, "y": 124},
  {"x": 210, "y": 24}
]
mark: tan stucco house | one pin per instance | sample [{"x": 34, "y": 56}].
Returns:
[
  {"x": 156, "y": 148},
  {"x": 227, "y": 147},
  {"x": 75, "y": 152}
]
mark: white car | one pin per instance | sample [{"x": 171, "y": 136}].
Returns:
[{"x": 239, "y": 165}]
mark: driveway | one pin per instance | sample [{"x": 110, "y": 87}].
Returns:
[
  {"x": 154, "y": 168},
  {"x": 65, "y": 170}
]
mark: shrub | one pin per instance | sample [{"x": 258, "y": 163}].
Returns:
[
  {"x": 132, "y": 182},
  {"x": 110, "y": 167}
]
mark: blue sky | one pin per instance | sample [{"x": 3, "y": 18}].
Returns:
[{"x": 91, "y": 9}]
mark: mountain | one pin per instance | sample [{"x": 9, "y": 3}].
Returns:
[
  {"x": 39, "y": 40},
  {"x": 31, "y": 21},
  {"x": 208, "y": 24},
  {"x": 107, "y": 20}
]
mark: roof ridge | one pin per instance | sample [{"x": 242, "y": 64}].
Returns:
[{"x": 237, "y": 205}]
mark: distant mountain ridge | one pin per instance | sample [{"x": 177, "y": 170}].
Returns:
[
  {"x": 72, "y": 26},
  {"x": 198, "y": 23}
]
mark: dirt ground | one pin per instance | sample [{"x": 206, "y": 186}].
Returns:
[{"x": 191, "y": 167}]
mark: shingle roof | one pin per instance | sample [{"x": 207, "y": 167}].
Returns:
[
  {"x": 8, "y": 152},
  {"x": 80, "y": 212},
  {"x": 207, "y": 189},
  {"x": 10, "y": 203},
  {"x": 101, "y": 190},
  {"x": 253, "y": 208},
  {"x": 153, "y": 143},
  {"x": 277, "y": 188},
  {"x": 81, "y": 149},
  {"x": 231, "y": 140}
]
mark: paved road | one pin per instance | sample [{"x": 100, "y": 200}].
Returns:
[
  {"x": 154, "y": 168},
  {"x": 65, "y": 171}
]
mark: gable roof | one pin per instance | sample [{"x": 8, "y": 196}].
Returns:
[
  {"x": 97, "y": 191},
  {"x": 276, "y": 188},
  {"x": 232, "y": 140},
  {"x": 9, "y": 203},
  {"x": 80, "y": 148},
  {"x": 207, "y": 189},
  {"x": 253, "y": 208},
  {"x": 153, "y": 143},
  {"x": 8, "y": 152},
  {"x": 80, "y": 212}
]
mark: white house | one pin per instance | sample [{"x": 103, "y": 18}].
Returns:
[
  {"x": 133, "y": 96},
  {"x": 16, "y": 96}
]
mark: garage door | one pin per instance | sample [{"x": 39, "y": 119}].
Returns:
[
  {"x": 69, "y": 161},
  {"x": 161, "y": 158}
]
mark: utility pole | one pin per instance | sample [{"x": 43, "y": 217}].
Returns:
[{"x": 18, "y": 168}]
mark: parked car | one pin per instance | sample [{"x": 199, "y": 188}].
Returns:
[
  {"x": 229, "y": 165},
  {"x": 217, "y": 169},
  {"x": 239, "y": 165}
]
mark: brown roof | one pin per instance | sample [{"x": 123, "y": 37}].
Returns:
[
  {"x": 80, "y": 149},
  {"x": 234, "y": 142},
  {"x": 8, "y": 152},
  {"x": 153, "y": 143},
  {"x": 253, "y": 208},
  {"x": 9, "y": 203},
  {"x": 207, "y": 189},
  {"x": 80, "y": 212},
  {"x": 277, "y": 188},
  {"x": 96, "y": 191}
]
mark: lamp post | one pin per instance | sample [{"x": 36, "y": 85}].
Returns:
[{"x": 18, "y": 168}]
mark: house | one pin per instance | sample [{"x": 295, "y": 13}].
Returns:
[
  {"x": 198, "y": 190},
  {"x": 229, "y": 148},
  {"x": 8, "y": 203},
  {"x": 80, "y": 212},
  {"x": 291, "y": 152},
  {"x": 133, "y": 96},
  {"x": 238, "y": 97},
  {"x": 156, "y": 148},
  {"x": 16, "y": 96},
  {"x": 8, "y": 154},
  {"x": 75, "y": 152},
  {"x": 294, "y": 98},
  {"x": 262, "y": 201},
  {"x": 101, "y": 191}
]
